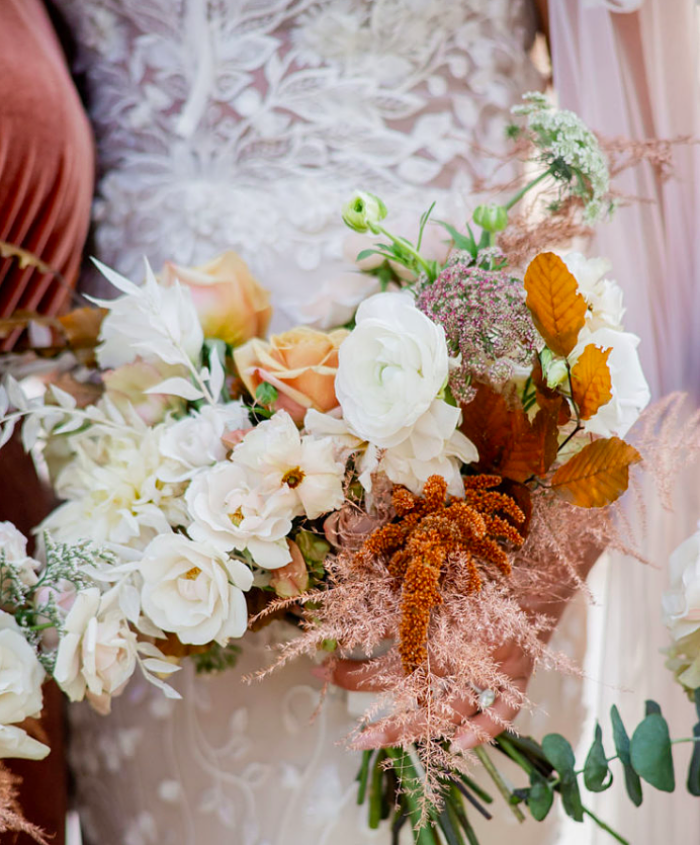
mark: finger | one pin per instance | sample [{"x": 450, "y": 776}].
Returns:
[
  {"x": 485, "y": 726},
  {"x": 392, "y": 733},
  {"x": 352, "y": 675}
]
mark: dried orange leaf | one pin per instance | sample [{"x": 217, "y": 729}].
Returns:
[
  {"x": 558, "y": 309},
  {"x": 486, "y": 421},
  {"x": 591, "y": 381},
  {"x": 597, "y": 475},
  {"x": 82, "y": 326}
]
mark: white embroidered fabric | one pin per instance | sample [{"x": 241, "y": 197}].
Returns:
[{"x": 243, "y": 124}]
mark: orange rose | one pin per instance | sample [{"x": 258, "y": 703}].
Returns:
[
  {"x": 300, "y": 363},
  {"x": 230, "y": 303}
]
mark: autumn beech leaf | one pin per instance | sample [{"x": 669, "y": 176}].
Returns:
[
  {"x": 507, "y": 441},
  {"x": 597, "y": 475},
  {"x": 557, "y": 307},
  {"x": 82, "y": 326},
  {"x": 591, "y": 381}
]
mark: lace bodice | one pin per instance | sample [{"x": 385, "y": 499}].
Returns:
[{"x": 245, "y": 123}]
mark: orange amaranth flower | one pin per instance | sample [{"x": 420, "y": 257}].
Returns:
[{"x": 434, "y": 531}]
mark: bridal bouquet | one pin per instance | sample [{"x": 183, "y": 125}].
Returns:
[{"x": 414, "y": 484}]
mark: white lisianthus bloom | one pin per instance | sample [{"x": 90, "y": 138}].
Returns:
[
  {"x": 304, "y": 465},
  {"x": 96, "y": 655},
  {"x": 630, "y": 391},
  {"x": 195, "y": 441},
  {"x": 603, "y": 296},
  {"x": 13, "y": 544},
  {"x": 681, "y": 602},
  {"x": 152, "y": 322},
  {"x": 193, "y": 590},
  {"x": 114, "y": 486},
  {"x": 390, "y": 369},
  {"x": 231, "y": 510},
  {"x": 21, "y": 677}
]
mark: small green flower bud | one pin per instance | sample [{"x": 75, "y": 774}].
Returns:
[
  {"x": 363, "y": 211},
  {"x": 493, "y": 218},
  {"x": 556, "y": 373}
]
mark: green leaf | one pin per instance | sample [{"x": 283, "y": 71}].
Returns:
[
  {"x": 363, "y": 776},
  {"x": 650, "y": 751},
  {"x": 266, "y": 394},
  {"x": 540, "y": 797},
  {"x": 376, "y": 792},
  {"x": 694, "y": 768},
  {"x": 559, "y": 753},
  {"x": 651, "y": 707},
  {"x": 595, "y": 770},
  {"x": 622, "y": 746},
  {"x": 696, "y": 696},
  {"x": 423, "y": 220},
  {"x": 461, "y": 241}
]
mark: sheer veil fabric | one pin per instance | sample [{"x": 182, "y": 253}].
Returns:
[{"x": 630, "y": 68}]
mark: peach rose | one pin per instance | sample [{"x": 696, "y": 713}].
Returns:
[
  {"x": 300, "y": 363},
  {"x": 230, "y": 303}
]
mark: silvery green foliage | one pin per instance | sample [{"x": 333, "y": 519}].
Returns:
[
  {"x": 35, "y": 607},
  {"x": 571, "y": 150}
]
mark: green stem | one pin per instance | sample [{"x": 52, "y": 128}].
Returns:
[
  {"x": 501, "y": 785},
  {"x": 409, "y": 249},
  {"x": 410, "y": 782},
  {"x": 521, "y": 193},
  {"x": 601, "y": 824},
  {"x": 515, "y": 755},
  {"x": 363, "y": 776}
]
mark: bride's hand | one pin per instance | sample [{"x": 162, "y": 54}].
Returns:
[{"x": 474, "y": 724}]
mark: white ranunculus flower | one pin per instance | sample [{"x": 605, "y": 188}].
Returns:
[
  {"x": 603, "y": 296},
  {"x": 630, "y": 391},
  {"x": 193, "y": 590},
  {"x": 681, "y": 602},
  {"x": 195, "y": 441},
  {"x": 96, "y": 655},
  {"x": 390, "y": 369},
  {"x": 435, "y": 447},
  {"x": 14, "y": 545},
  {"x": 305, "y": 465},
  {"x": 114, "y": 485},
  {"x": 152, "y": 322},
  {"x": 231, "y": 510},
  {"x": 21, "y": 677}
]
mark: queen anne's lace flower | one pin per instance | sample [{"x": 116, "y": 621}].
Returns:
[{"x": 571, "y": 148}]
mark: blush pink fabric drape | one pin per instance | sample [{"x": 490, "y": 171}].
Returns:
[{"x": 630, "y": 68}]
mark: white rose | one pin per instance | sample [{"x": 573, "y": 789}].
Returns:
[
  {"x": 230, "y": 510},
  {"x": 14, "y": 545},
  {"x": 194, "y": 591},
  {"x": 630, "y": 391},
  {"x": 390, "y": 368},
  {"x": 21, "y": 677},
  {"x": 195, "y": 441},
  {"x": 303, "y": 466},
  {"x": 603, "y": 296},
  {"x": 97, "y": 652},
  {"x": 681, "y": 602}
]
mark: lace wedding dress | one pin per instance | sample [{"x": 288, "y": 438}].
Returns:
[{"x": 243, "y": 124}]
